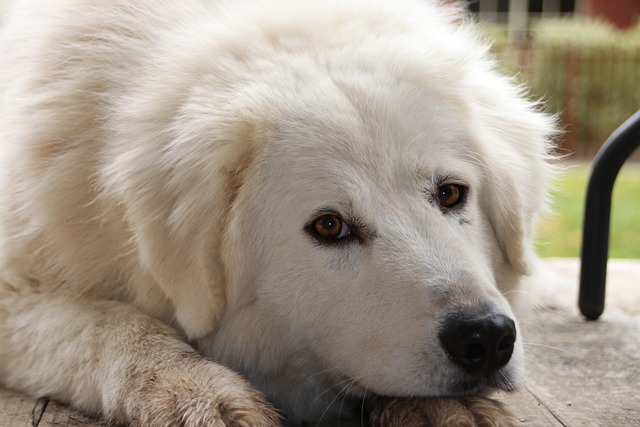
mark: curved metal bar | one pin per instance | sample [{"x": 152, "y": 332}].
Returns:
[{"x": 595, "y": 241}]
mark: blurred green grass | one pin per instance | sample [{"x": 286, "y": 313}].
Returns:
[{"x": 560, "y": 234}]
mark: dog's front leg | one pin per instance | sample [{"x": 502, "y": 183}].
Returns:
[{"x": 107, "y": 358}]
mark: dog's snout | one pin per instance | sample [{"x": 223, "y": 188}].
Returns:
[{"x": 479, "y": 345}]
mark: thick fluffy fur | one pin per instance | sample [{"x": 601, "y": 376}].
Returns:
[{"x": 160, "y": 164}]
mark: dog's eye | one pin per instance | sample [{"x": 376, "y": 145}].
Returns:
[
  {"x": 451, "y": 195},
  {"x": 329, "y": 227}
]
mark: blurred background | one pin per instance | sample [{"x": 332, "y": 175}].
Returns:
[{"x": 582, "y": 57}]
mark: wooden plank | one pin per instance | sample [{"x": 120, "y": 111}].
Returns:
[
  {"x": 19, "y": 410},
  {"x": 528, "y": 409},
  {"x": 16, "y": 409},
  {"x": 588, "y": 373},
  {"x": 59, "y": 415}
]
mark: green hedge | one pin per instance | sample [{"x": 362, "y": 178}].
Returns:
[{"x": 587, "y": 71}]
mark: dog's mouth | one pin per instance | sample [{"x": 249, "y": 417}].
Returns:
[
  {"x": 358, "y": 397},
  {"x": 461, "y": 387},
  {"x": 482, "y": 386}
]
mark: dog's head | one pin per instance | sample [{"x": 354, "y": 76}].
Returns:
[
  {"x": 379, "y": 231},
  {"x": 369, "y": 211},
  {"x": 387, "y": 218}
]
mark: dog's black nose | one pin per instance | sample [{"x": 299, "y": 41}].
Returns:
[{"x": 479, "y": 345}]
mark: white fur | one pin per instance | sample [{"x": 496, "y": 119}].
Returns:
[{"x": 160, "y": 161}]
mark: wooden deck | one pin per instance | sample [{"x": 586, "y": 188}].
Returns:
[{"x": 580, "y": 373}]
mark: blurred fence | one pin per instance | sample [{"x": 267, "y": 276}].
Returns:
[
  {"x": 592, "y": 90},
  {"x": 592, "y": 86}
]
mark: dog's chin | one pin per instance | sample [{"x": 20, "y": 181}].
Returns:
[
  {"x": 357, "y": 397},
  {"x": 484, "y": 386},
  {"x": 464, "y": 386}
]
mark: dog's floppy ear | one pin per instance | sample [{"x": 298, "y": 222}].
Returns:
[
  {"x": 511, "y": 215},
  {"x": 176, "y": 189},
  {"x": 516, "y": 157}
]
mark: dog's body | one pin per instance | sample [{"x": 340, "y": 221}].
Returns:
[{"x": 312, "y": 194}]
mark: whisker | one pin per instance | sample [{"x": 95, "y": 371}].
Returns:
[
  {"x": 364, "y": 399},
  {"x": 324, "y": 371},
  {"x": 346, "y": 386},
  {"x": 530, "y": 360},
  {"x": 344, "y": 396},
  {"x": 563, "y": 351},
  {"x": 327, "y": 390},
  {"x": 342, "y": 390}
]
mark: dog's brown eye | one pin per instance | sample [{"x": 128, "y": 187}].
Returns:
[
  {"x": 330, "y": 227},
  {"x": 451, "y": 195}
]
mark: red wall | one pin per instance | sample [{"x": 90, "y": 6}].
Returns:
[{"x": 622, "y": 13}]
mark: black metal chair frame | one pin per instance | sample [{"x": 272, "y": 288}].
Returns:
[{"x": 595, "y": 241}]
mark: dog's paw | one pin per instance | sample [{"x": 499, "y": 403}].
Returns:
[
  {"x": 211, "y": 396},
  {"x": 432, "y": 412}
]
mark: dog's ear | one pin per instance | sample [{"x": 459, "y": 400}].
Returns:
[
  {"x": 517, "y": 165},
  {"x": 176, "y": 190},
  {"x": 512, "y": 216}
]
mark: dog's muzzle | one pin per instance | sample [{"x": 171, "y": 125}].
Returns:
[{"x": 480, "y": 345}]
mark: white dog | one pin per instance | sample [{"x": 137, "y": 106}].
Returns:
[{"x": 330, "y": 199}]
